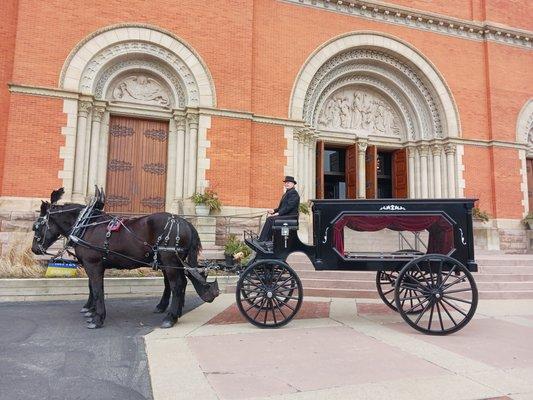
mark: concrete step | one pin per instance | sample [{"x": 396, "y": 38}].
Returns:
[
  {"x": 506, "y": 295},
  {"x": 518, "y": 270}
]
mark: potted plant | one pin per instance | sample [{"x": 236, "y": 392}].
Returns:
[
  {"x": 528, "y": 221},
  {"x": 303, "y": 208},
  {"x": 481, "y": 218},
  {"x": 230, "y": 248},
  {"x": 236, "y": 251},
  {"x": 206, "y": 202}
]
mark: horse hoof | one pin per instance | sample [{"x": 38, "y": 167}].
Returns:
[
  {"x": 89, "y": 320},
  {"x": 89, "y": 314},
  {"x": 167, "y": 324},
  {"x": 93, "y": 325},
  {"x": 84, "y": 310},
  {"x": 159, "y": 310}
]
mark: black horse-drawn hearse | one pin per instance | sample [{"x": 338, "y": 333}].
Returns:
[{"x": 433, "y": 290}]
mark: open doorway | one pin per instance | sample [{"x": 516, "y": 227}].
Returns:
[{"x": 385, "y": 172}]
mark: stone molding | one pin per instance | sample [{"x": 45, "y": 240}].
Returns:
[
  {"x": 399, "y": 81},
  {"x": 114, "y": 43},
  {"x": 524, "y": 126},
  {"x": 417, "y": 19},
  {"x": 392, "y": 54}
]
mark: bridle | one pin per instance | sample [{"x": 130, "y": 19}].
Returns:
[{"x": 44, "y": 221}]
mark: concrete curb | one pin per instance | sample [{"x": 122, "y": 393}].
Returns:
[{"x": 45, "y": 289}]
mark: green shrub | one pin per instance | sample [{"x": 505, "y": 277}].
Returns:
[
  {"x": 209, "y": 198},
  {"x": 480, "y": 214}
]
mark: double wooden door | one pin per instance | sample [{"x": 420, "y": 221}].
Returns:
[
  {"x": 137, "y": 165},
  {"x": 399, "y": 181}
]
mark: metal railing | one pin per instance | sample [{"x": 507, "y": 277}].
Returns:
[{"x": 404, "y": 242}]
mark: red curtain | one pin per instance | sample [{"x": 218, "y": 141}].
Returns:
[{"x": 440, "y": 231}]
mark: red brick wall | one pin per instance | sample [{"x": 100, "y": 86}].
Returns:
[
  {"x": 8, "y": 30},
  {"x": 254, "y": 51},
  {"x": 32, "y": 148},
  {"x": 478, "y": 176}
]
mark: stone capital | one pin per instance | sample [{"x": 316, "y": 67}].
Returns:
[
  {"x": 84, "y": 107},
  {"x": 180, "y": 121},
  {"x": 98, "y": 113},
  {"x": 423, "y": 150},
  {"x": 362, "y": 145},
  {"x": 436, "y": 150},
  {"x": 450, "y": 148},
  {"x": 193, "y": 119}
]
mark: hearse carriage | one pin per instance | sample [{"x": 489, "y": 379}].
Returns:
[{"x": 430, "y": 285}]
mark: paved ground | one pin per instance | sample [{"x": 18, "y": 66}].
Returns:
[
  {"x": 46, "y": 352},
  {"x": 344, "y": 349},
  {"x": 336, "y": 349}
]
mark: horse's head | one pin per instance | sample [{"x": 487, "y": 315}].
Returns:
[{"x": 54, "y": 221}]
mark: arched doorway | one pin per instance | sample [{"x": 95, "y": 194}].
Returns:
[
  {"x": 379, "y": 111},
  {"x": 138, "y": 130}
]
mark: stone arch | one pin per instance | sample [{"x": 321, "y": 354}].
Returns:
[
  {"x": 524, "y": 125},
  {"x": 398, "y": 82},
  {"x": 142, "y": 71},
  {"x": 107, "y": 47},
  {"x": 384, "y": 56}
]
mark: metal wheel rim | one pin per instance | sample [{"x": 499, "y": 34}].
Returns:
[
  {"x": 269, "y": 294},
  {"x": 386, "y": 287},
  {"x": 446, "y": 300}
]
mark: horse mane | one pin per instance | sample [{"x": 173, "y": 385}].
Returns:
[{"x": 56, "y": 195}]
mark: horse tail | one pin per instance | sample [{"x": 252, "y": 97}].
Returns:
[{"x": 195, "y": 246}]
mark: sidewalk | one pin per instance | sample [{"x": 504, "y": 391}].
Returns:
[{"x": 343, "y": 349}]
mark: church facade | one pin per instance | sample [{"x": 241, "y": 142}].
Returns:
[{"x": 356, "y": 99}]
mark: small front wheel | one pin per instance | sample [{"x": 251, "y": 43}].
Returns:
[{"x": 269, "y": 293}]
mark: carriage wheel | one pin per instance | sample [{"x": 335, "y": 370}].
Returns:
[
  {"x": 386, "y": 286},
  {"x": 443, "y": 294},
  {"x": 269, "y": 294}
]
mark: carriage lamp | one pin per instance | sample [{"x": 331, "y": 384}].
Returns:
[{"x": 285, "y": 233}]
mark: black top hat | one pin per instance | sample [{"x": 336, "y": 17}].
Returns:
[{"x": 289, "y": 179}]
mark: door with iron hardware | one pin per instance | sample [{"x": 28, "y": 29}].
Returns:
[{"x": 137, "y": 165}]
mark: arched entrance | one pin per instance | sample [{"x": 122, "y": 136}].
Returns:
[
  {"x": 379, "y": 122},
  {"x": 136, "y": 128}
]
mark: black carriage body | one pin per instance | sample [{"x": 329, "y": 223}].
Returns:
[{"x": 454, "y": 215}]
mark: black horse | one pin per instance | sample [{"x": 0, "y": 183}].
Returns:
[{"x": 162, "y": 240}]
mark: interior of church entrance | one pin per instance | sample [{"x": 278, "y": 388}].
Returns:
[{"x": 385, "y": 172}]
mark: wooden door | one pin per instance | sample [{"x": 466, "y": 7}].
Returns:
[
  {"x": 137, "y": 166},
  {"x": 371, "y": 172},
  {"x": 320, "y": 169},
  {"x": 529, "y": 166},
  {"x": 399, "y": 174},
  {"x": 351, "y": 172}
]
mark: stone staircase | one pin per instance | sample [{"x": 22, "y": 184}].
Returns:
[{"x": 500, "y": 276}]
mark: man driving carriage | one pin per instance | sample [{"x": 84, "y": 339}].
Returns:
[{"x": 288, "y": 207}]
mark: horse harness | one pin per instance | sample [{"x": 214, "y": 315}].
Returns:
[{"x": 85, "y": 220}]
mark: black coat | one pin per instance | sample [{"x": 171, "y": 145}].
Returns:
[{"x": 289, "y": 203}]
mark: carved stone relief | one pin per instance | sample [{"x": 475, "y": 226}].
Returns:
[
  {"x": 141, "y": 89},
  {"x": 127, "y": 48},
  {"x": 357, "y": 109},
  {"x": 375, "y": 64}
]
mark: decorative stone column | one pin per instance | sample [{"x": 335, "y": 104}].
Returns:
[
  {"x": 431, "y": 174},
  {"x": 97, "y": 115},
  {"x": 312, "y": 159},
  {"x": 449, "y": 149},
  {"x": 424, "y": 151},
  {"x": 437, "y": 190},
  {"x": 411, "y": 153},
  {"x": 192, "y": 151},
  {"x": 78, "y": 192},
  {"x": 361, "y": 168},
  {"x": 179, "y": 123}
]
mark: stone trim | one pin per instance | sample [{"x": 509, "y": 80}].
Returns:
[
  {"x": 524, "y": 126},
  {"x": 387, "y": 44},
  {"x": 522, "y": 155},
  {"x": 103, "y": 39},
  {"x": 43, "y": 91},
  {"x": 423, "y": 20}
]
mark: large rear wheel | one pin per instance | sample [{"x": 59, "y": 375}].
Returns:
[{"x": 442, "y": 294}]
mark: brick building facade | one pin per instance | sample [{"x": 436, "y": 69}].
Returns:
[{"x": 421, "y": 99}]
